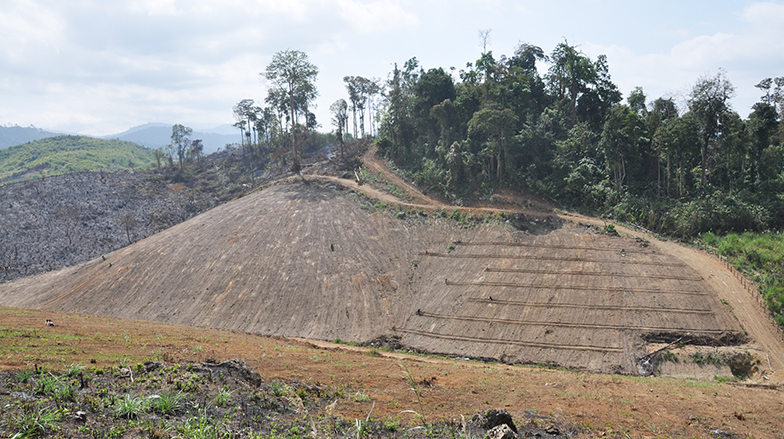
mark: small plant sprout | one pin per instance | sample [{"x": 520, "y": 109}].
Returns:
[
  {"x": 74, "y": 369},
  {"x": 130, "y": 407},
  {"x": 415, "y": 388},
  {"x": 24, "y": 376},
  {"x": 362, "y": 426},
  {"x": 361, "y": 397},
  {"x": 166, "y": 405},
  {"x": 223, "y": 398}
]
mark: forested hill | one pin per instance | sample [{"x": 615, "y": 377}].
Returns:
[
  {"x": 67, "y": 154},
  {"x": 570, "y": 135}
]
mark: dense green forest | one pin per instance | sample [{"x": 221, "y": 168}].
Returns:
[
  {"x": 678, "y": 168},
  {"x": 571, "y": 137},
  {"x": 67, "y": 154}
]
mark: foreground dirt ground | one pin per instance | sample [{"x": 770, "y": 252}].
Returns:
[{"x": 595, "y": 405}]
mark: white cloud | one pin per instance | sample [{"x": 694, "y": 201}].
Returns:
[
  {"x": 104, "y": 66},
  {"x": 154, "y": 7},
  {"x": 26, "y": 27},
  {"x": 748, "y": 50},
  {"x": 768, "y": 16},
  {"x": 376, "y": 16}
]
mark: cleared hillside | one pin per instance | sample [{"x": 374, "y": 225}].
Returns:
[
  {"x": 568, "y": 297},
  {"x": 320, "y": 262},
  {"x": 292, "y": 259}
]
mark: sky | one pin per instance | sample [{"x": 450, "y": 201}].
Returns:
[{"x": 101, "y": 67}]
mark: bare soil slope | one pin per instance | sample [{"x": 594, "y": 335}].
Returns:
[
  {"x": 570, "y": 296},
  {"x": 293, "y": 260},
  {"x": 301, "y": 260}
]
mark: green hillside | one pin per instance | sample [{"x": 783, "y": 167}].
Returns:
[{"x": 68, "y": 154}]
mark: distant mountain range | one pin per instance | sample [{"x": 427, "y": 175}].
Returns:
[
  {"x": 151, "y": 135},
  {"x": 158, "y": 135},
  {"x": 16, "y": 135}
]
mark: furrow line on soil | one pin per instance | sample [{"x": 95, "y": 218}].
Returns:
[
  {"x": 592, "y": 307},
  {"x": 552, "y": 258},
  {"x": 512, "y": 342},
  {"x": 580, "y": 288},
  {"x": 566, "y": 325},
  {"x": 552, "y": 246},
  {"x": 591, "y": 273}
]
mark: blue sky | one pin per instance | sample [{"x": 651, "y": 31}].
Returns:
[{"x": 98, "y": 67}]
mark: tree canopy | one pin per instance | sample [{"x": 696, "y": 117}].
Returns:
[
  {"x": 293, "y": 87},
  {"x": 567, "y": 136}
]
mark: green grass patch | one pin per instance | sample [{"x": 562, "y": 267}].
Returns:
[{"x": 759, "y": 256}]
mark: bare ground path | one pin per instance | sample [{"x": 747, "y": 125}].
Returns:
[{"x": 419, "y": 200}]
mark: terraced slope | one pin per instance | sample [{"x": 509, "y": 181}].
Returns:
[{"x": 569, "y": 297}]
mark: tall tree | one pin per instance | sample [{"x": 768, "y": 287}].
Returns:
[
  {"x": 484, "y": 39},
  {"x": 762, "y": 124},
  {"x": 398, "y": 124},
  {"x": 526, "y": 55},
  {"x": 355, "y": 97},
  {"x": 244, "y": 113},
  {"x": 570, "y": 74},
  {"x": 708, "y": 101},
  {"x": 623, "y": 133},
  {"x": 158, "y": 154},
  {"x": 196, "y": 150},
  {"x": 128, "y": 222},
  {"x": 180, "y": 142},
  {"x": 497, "y": 126},
  {"x": 292, "y": 76},
  {"x": 431, "y": 89},
  {"x": 339, "y": 110},
  {"x": 636, "y": 101}
]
